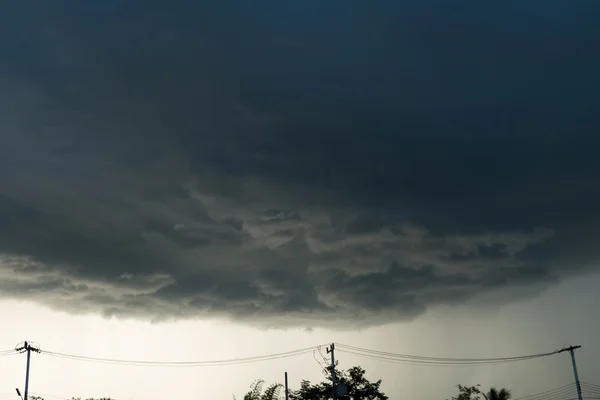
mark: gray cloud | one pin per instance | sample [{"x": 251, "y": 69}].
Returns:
[{"x": 295, "y": 166}]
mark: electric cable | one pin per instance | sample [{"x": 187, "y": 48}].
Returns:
[
  {"x": 443, "y": 360},
  {"x": 211, "y": 363},
  {"x": 358, "y": 351},
  {"x": 325, "y": 359},
  {"x": 583, "y": 397},
  {"x": 589, "y": 389},
  {"x": 8, "y": 352},
  {"x": 560, "y": 393},
  {"x": 570, "y": 386},
  {"x": 323, "y": 369},
  {"x": 559, "y": 396},
  {"x": 592, "y": 385},
  {"x": 416, "y": 362},
  {"x": 428, "y": 362}
]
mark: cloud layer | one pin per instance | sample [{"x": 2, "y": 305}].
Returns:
[{"x": 295, "y": 163}]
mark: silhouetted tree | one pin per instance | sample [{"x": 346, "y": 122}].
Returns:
[
  {"x": 467, "y": 392},
  {"x": 256, "y": 391},
  {"x": 359, "y": 387},
  {"x": 495, "y": 394},
  {"x": 475, "y": 393}
]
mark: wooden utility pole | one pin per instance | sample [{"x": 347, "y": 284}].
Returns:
[{"x": 571, "y": 350}]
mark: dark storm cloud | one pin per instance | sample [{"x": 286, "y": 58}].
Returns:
[{"x": 295, "y": 162}]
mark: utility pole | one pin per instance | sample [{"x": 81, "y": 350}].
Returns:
[
  {"x": 27, "y": 347},
  {"x": 287, "y": 391},
  {"x": 331, "y": 350},
  {"x": 571, "y": 350}
]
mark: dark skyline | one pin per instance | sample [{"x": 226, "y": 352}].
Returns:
[{"x": 290, "y": 162}]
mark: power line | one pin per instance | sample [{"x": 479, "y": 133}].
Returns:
[
  {"x": 590, "y": 385},
  {"x": 210, "y": 363},
  {"x": 433, "y": 361},
  {"x": 571, "y": 394},
  {"x": 420, "y": 363},
  {"x": 556, "y": 393},
  {"x": 590, "y": 388},
  {"x": 409, "y": 356},
  {"x": 558, "y": 389},
  {"x": 359, "y": 351},
  {"x": 8, "y": 352},
  {"x": 584, "y": 397}
]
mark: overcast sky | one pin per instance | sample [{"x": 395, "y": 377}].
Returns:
[{"x": 205, "y": 180}]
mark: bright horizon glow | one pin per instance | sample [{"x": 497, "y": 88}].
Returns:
[{"x": 443, "y": 333}]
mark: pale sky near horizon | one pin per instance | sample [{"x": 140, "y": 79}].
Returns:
[
  {"x": 192, "y": 180},
  {"x": 563, "y": 315}
]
